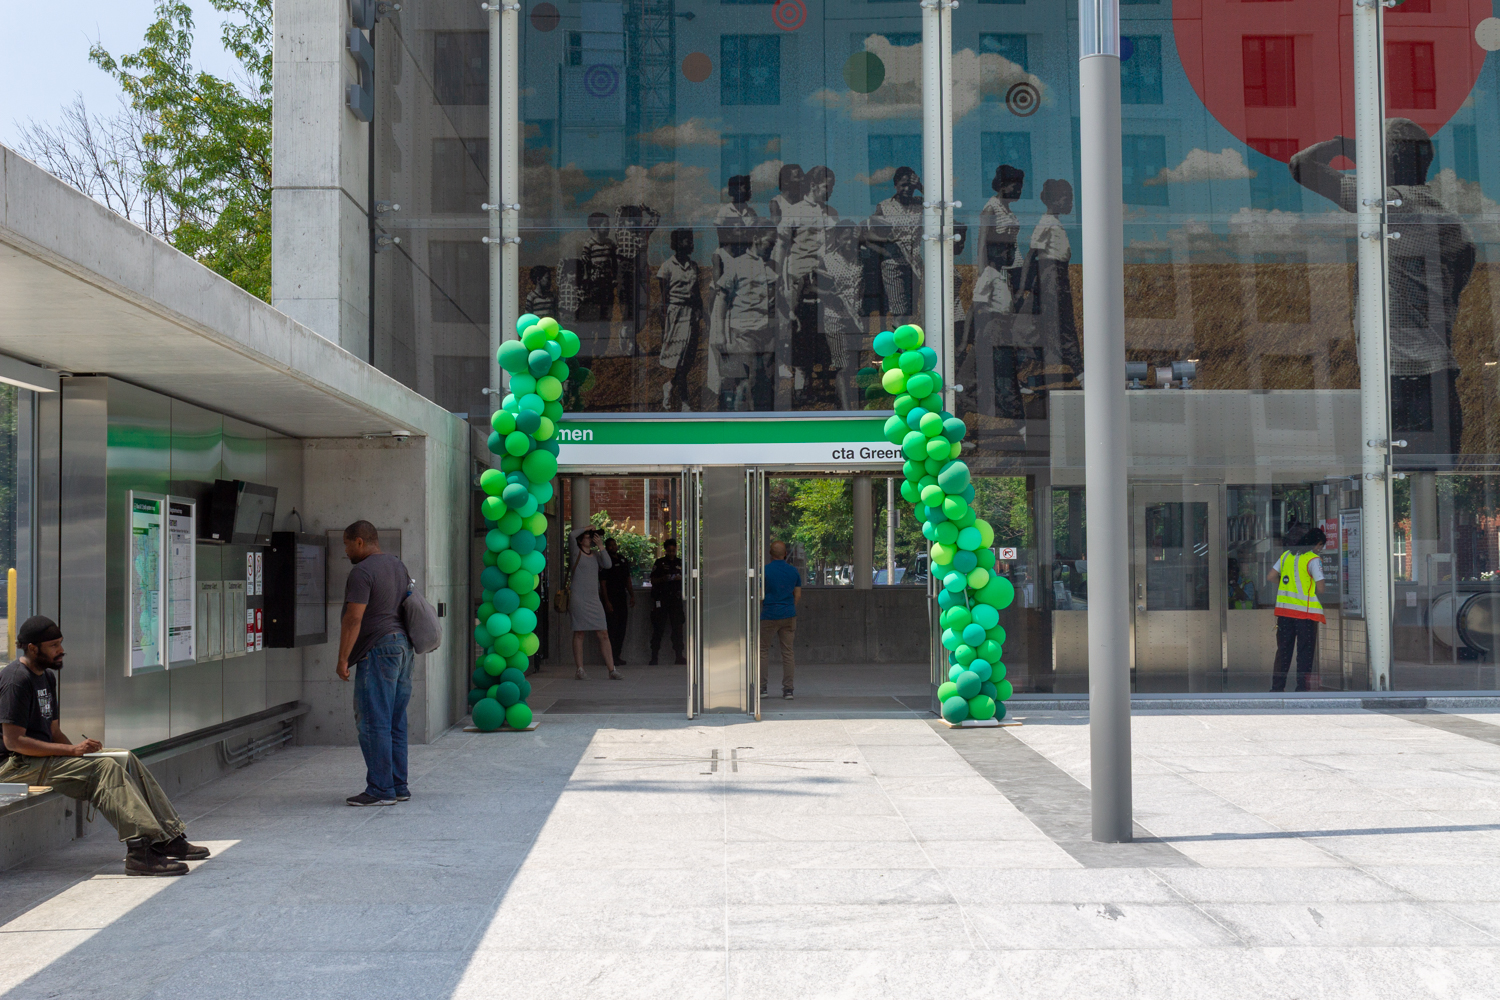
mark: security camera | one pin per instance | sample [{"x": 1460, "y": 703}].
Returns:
[{"x": 401, "y": 436}]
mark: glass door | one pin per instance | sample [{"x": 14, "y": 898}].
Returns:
[
  {"x": 691, "y": 491},
  {"x": 1179, "y": 598}
]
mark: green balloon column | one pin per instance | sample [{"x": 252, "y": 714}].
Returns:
[
  {"x": 938, "y": 485},
  {"x": 524, "y": 435}
]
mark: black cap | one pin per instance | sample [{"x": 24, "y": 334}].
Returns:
[{"x": 37, "y": 629}]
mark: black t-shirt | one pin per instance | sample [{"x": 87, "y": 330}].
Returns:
[
  {"x": 28, "y": 700},
  {"x": 379, "y": 582},
  {"x": 617, "y": 577}
]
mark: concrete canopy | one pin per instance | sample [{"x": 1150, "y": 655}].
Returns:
[{"x": 83, "y": 290}]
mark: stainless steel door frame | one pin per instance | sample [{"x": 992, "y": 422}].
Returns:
[
  {"x": 1199, "y": 653},
  {"x": 755, "y": 547},
  {"x": 690, "y": 486}
]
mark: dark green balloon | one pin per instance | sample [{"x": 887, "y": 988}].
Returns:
[
  {"x": 488, "y": 714},
  {"x": 508, "y": 693}
]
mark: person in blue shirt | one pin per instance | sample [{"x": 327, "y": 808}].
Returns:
[{"x": 778, "y": 616}]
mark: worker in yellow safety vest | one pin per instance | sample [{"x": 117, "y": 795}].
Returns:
[{"x": 1298, "y": 575}]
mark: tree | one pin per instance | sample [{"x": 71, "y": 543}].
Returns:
[
  {"x": 105, "y": 158},
  {"x": 206, "y": 142}
]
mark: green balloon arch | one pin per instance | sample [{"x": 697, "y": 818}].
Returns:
[
  {"x": 937, "y": 484},
  {"x": 524, "y": 435}
]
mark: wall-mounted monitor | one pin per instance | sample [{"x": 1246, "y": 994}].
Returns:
[{"x": 240, "y": 513}]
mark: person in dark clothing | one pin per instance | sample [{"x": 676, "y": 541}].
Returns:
[
  {"x": 619, "y": 597},
  {"x": 1298, "y": 575},
  {"x": 35, "y": 752},
  {"x": 373, "y": 638},
  {"x": 666, "y": 601}
]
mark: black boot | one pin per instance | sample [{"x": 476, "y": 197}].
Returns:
[
  {"x": 179, "y": 848},
  {"x": 140, "y": 859}
]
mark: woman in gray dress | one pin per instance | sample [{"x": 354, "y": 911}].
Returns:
[{"x": 586, "y": 600}]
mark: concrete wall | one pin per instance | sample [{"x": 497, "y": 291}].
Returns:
[
  {"x": 421, "y": 488},
  {"x": 320, "y": 242}
]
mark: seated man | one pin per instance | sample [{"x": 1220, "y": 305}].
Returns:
[{"x": 36, "y": 752}]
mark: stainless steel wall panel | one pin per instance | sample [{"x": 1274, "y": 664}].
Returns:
[
  {"x": 244, "y": 673},
  {"x": 139, "y": 457},
  {"x": 724, "y": 598},
  {"x": 83, "y": 424},
  {"x": 244, "y": 457},
  {"x": 197, "y": 696},
  {"x": 197, "y": 451},
  {"x": 48, "y": 501}
]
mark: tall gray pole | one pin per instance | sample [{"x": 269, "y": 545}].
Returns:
[
  {"x": 1104, "y": 417},
  {"x": 1374, "y": 363}
]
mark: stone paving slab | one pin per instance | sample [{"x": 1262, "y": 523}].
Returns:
[{"x": 1331, "y": 853}]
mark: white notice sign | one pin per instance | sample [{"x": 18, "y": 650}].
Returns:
[{"x": 182, "y": 573}]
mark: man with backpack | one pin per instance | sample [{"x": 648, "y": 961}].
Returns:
[{"x": 373, "y": 637}]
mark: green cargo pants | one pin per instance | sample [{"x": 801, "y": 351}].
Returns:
[{"x": 115, "y": 781}]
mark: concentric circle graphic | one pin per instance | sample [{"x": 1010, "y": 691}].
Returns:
[
  {"x": 1023, "y": 99},
  {"x": 789, "y": 15},
  {"x": 601, "y": 80}
]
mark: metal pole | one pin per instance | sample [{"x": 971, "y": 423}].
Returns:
[
  {"x": 864, "y": 533},
  {"x": 492, "y": 204},
  {"x": 890, "y": 531},
  {"x": 1104, "y": 416},
  {"x": 937, "y": 185},
  {"x": 1374, "y": 365}
]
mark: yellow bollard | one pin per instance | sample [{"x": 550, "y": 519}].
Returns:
[{"x": 10, "y": 611}]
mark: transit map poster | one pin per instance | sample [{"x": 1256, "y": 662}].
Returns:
[{"x": 147, "y": 553}]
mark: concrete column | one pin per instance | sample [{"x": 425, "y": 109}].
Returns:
[
  {"x": 864, "y": 534},
  {"x": 1107, "y": 459},
  {"x": 320, "y": 233},
  {"x": 581, "y": 513}
]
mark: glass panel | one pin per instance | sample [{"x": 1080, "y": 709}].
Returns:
[
  {"x": 722, "y": 199},
  {"x": 1177, "y": 563},
  {"x": 17, "y": 471}
]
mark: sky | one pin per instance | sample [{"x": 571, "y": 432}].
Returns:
[{"x": 44, "y": 54}]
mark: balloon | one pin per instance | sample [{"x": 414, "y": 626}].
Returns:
[
  {"x": 937, "y": 447},
  {"x": 989, "y": 650},
  {"x": 985, "y": 616},
  {"x": 885, "y": 344},
  {"x": 512, "y": 356},
  {"x": 485, "y": 610},
  {"x": 479, "y": 678},
  {"x": 964, "y": 560},
  {"x": 517, "y": 661},
  {"x": 493, "y": 508},
  {"x": 517, "y": 443},
  {"x": 493, "y": 443},
  {"x": 893, "y": 381},
  {"x": 496, "y": 540},
  {"x": 968, "y": 684},
  {"x": 895, "y": 430},
  {"x": 522, "y": 582},
  {"x": 955, "y": 709},
  {"x": 953, "y": 673},
  {"x": 498, "y": 624},
  {"x": 552, "y": 326},
  {"x": 947, "y": 533},
  {"x": 933, "y": 495},
  {"x": 914, "y": 445},
  {"x": 530, "y": 643},
  {"x": 533, "y": 338},
  {"x": 527, "y": 422},
  {"x": 919, "y": 385},
  {"x": 946, "y": 690},
  {"x": 964, "y": 655},
  {"x": 955, "y": 618},
  {"x": 988, "y": 689},
  {"x": 969, "y": 538},
  {"x": 911, "y": 362},
  {"x": 518, "y": 716},
  {"x": 952, "y": 638},
  {"x": 954, "y": 508},
  {"x": 981, "y": 669},
  {"x": 510, "y": 523},
  {"x": 973, "y": 635},
  {"x": 506, "y": 645},
  {"x": 903, "y": 406},
  {"x": 515, "y": 495},
  {"x": 954, "y": 477},
  {"x": 549, "y": 387},
  {"x": 531, "y": 401},
  {"x": 978, "y": 578},
  {"x": 908, "y": 336},
  {"x": 526, "y": 320},
  {"x": 534, "y": 562},
  {"x": 529, "y": 507},
  {"x": 930, "y": 424},
  {"x": 523, "y": 542},
  {"x": 520, "y": 385},
  {"x": 539, "y": 362},
  {"x": 508, "y": 561},
  {"x": 474, "y": 696},
  {"x": 954, "y": 429},
  {"x": 491, "y": 578},
  {"x": 570, "y": 343},
  {"x": 981, "y": 707},
  {"x": 997, "y": 591},
  {"x": 492, "y": 664},
  {"x": 540, "y": 466},
  {"x": 508, "y": 694},
  {"x": 492, "y": 481},
  {"x": 1006, "y": 689},
  {"x": 523, "y": 621},
  {"x": 488, "y": 715},
  {"x": 986, "y": 533},
  {"x": 512, "y": 675}
]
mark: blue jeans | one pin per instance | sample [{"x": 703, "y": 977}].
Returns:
[{"x": 382, "y": 689}]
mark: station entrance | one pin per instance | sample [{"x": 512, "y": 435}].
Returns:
[{"x": 863, "y": 638}]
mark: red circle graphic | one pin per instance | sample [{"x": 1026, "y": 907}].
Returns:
[{"x": 789, "y": 15}]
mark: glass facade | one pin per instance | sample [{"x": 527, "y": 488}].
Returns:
[{"x": 724, "y": 200}]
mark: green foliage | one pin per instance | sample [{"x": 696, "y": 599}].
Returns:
[
  {"x": 1004, "y": 502},
  {"x": 209, "y": 144},
  {"x": 638, "y": 549}
]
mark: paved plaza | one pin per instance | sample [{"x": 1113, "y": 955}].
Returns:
[{"x": 1282, "y": 854}]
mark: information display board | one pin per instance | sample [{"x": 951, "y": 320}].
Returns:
[
  {"x": 1352, "y": 562},
  {"x": 182, "y": 581},
  {"x": 211, "y": 619},
  {"x": 234, "y": 618},
  {"x": 146, "y": 578}
]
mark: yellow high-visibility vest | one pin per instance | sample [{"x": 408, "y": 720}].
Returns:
[{"x": 1297, "y": 596}]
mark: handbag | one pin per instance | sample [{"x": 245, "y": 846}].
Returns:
[
  {"x": 560, "y": 598},
  {"x": 421, "y": 621}
]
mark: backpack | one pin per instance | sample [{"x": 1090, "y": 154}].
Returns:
[{"x": 420, "y": 620}]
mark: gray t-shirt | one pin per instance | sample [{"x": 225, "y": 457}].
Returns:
[{"x": 380, "y": 583}]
